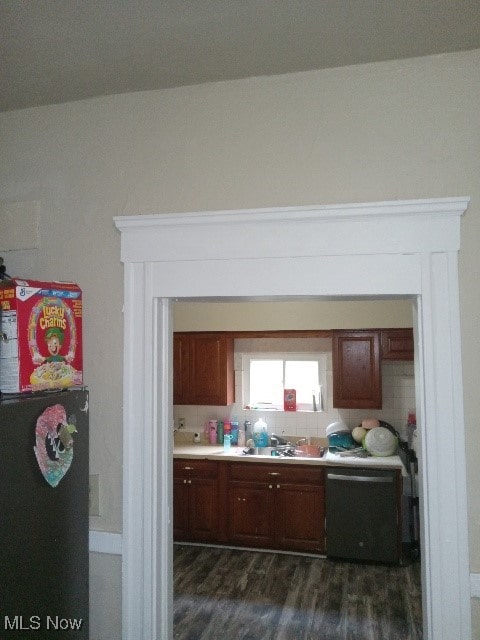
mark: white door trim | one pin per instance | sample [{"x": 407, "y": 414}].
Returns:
[{"x": 401, "y": 248}]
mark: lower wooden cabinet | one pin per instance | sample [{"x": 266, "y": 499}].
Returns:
[
  {"x": 276, "y": 506},
  {"x": 195, "y": 500},
  {"x": 300, "y": 517},
  {"x": 272, "y": 506}
]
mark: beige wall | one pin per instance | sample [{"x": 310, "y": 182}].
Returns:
[
  {"x": 407, "y": 129},
  {"x": 272, "y": 316}
]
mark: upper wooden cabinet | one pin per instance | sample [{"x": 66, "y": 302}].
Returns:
[
  {"x": 397, "y": 344},
  {"x": 203, "y": 369},
  {"x": 356, "y": 370}
]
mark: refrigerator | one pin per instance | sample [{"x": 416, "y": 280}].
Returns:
[{"x": 44, "y": 515}]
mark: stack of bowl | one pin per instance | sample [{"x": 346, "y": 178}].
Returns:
[{"x": 339, "y": 435}]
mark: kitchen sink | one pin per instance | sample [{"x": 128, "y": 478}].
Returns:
[{"x": 299, "y": 451}]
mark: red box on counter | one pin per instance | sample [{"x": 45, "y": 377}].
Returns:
[
  {"x": 289, "y": 400},
  {"x": 41, "y": 335}
]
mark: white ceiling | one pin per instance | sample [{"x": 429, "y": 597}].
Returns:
[{"x": 61, "y": 50}]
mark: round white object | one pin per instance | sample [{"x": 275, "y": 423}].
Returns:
[
  {"x": 380, "y": 442},
  {"x": 358, "y": 434},
  {"x": 335, "y": 427}
]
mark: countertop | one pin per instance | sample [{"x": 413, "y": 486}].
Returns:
[{"x": 216, "y": 452}]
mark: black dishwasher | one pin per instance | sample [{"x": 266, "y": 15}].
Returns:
[{"x": 363, "y": 514}]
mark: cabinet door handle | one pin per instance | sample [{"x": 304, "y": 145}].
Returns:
[
  {"x": 188, "y": 468},
  {"x": 270, "y": 486},
  {"x": 273, "y": 473},
  {"x": 184, "y": 482},
  {"x": 278, "y": 486}
]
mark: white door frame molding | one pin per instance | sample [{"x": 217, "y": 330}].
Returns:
[{"x": 386, "y": 249}]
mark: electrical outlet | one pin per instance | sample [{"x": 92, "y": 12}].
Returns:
[
  {"x": 181, "y": 423},
  {"x": 94, "y": 495}
]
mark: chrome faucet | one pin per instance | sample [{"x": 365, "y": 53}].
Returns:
[{"x": 277, "y": 441}]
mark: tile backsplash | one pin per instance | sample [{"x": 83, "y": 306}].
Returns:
[{"x": 398, "y": 386}]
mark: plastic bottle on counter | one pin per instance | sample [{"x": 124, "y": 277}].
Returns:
[
  {"x": 234, "y": 425},
  {"x": 212, "y": 436},
  {"x": 207, "y": 429},
  {"x": 260, "y": 434},
  {"x": 220, "y": 432},
  {"x": 242, "y": 440},
  {"x": 227, "y": 440}
]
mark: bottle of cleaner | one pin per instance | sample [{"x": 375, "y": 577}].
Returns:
[
  {"x": 234, "y": 432},
  {"x": 260, "y": 435}
]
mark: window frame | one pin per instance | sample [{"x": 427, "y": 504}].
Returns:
[{"x": 285, "y": 356}]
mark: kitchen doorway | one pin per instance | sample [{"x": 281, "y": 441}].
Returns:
[
  {"x": 376, "y": 250},
  {"x": 219, "y": 591}
]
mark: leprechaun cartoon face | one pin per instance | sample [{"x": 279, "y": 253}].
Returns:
[{"x": 54, "y": 339}]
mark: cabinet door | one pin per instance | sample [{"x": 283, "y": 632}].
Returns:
[
  {"x": 180, "y": 509},
  {"x": 195, "y": 500},
  {"x": 397, "y": 344},
  {"x": 211, "y": 358},
  {"x": 203, "y": 510},
  {"x": 356, "y": 370},
  {"x": 181, "y": 368},
  {"x": 203, "y": 369},
  {"x": 300, "y": 517},
  {"x": 250, "y": 514}
]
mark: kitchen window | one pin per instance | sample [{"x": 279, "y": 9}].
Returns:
[{"x": 267, "y": 375}]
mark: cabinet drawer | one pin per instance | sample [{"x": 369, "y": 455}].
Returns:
[
  {"x": 251, "y": 472},
  {"x": 195, "y": 468}
]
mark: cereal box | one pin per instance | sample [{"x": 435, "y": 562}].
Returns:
[
  {"x": 289, "y": 400},
  {"x": 40, "y": 335}
]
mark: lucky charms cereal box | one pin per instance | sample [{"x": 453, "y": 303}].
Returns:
[{"x": 40, "y": 335}]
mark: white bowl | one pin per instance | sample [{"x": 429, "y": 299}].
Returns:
[{"x": 335, "y": 427}]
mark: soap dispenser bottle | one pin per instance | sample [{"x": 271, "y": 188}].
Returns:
[{"x": 260, "y": 435}]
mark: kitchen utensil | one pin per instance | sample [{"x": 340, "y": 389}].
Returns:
[
  {"x": 341, "y": 439},
  {"x": 335, "y": 427},
  {"x": 309, "y": 451},
  {"x": 380, "y": 441}
]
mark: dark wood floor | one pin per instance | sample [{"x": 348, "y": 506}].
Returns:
[{"x": 246, "y": 595}]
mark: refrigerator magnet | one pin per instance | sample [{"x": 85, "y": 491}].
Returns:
[{"x": 54, "y": 444}]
